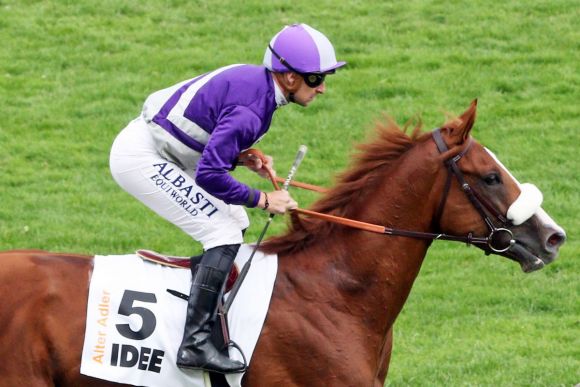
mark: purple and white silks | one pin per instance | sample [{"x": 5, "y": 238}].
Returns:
[{"x": 205, "y": 122}]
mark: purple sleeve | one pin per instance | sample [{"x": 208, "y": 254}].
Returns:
[{"x": 236, "y": 130}]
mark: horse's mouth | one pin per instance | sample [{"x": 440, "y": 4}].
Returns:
[{"x": 527, "y": 260}]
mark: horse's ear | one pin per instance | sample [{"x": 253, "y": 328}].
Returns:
[
  {"x": 458, "y": 130},
  {"x": 468, "y": 118}
]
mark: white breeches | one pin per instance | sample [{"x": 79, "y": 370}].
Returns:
[{"x": 171, "y": 191}]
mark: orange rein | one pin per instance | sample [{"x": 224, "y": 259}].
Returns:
[
  {"x": 298, "y": 184},
  {"x": 468, "y": 239},
  {"x": 330, "y": 218}
]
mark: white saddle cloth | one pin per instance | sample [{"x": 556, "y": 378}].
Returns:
[{"x": 134, "y": 326}]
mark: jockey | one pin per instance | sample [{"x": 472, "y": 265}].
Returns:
[{"x": 176, "y": 158}]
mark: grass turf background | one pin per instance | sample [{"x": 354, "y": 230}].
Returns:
[{"x": 73, "y": 73}]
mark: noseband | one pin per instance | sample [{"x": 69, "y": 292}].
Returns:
[{"x": 499, "y": 239}]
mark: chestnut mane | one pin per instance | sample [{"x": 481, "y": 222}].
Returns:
[{"x": 369, "y": 163}]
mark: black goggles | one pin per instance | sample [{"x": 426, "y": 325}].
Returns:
[{"x": 311, "y": 79}]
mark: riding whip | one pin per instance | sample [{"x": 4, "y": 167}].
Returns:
[{"x": 299, "y": 157}]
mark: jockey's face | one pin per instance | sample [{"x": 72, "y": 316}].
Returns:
[{"x": 304, "y": 93}]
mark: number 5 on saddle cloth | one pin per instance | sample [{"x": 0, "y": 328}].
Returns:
[{"x": 134, "y": 326}]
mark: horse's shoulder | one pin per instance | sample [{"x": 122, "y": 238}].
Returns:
[{"x": 43, "y": 276}]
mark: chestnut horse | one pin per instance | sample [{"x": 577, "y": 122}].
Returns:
[{"x": 338, "y": 290}]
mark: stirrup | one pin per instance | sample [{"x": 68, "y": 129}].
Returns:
[
  {"x": 235, "y": 345},
  {"x": 207, "y": 365}
]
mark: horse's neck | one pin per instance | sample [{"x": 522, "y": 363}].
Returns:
[{"x": 374, "y": 273}]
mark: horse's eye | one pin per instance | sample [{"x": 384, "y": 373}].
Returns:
[{"x": 492, "y": 179}]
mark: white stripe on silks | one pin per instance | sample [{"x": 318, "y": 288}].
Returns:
[
  {"x": 176, "y": 114},
  {"x": 155, "y": 101},
  {"x": 325, "y": 50}
]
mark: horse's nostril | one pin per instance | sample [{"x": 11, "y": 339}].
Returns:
[{"x": 556, "y": 239}]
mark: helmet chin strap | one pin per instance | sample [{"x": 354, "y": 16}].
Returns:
[{"x": 291, "y": 97}]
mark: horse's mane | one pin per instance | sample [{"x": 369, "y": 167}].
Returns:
[{"x": 387, "y": 145}]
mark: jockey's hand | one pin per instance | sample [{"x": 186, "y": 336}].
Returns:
[
  {"x": 278, "y": 202},
  {"x": 256, "y": 161}
]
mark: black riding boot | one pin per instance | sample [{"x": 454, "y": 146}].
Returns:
[{"x": 197, "y": 350}]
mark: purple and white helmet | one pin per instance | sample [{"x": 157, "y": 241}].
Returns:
[{"x": 305, "y": 49}]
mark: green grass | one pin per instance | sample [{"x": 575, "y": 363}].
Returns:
[{"x": 73, "y": 73}]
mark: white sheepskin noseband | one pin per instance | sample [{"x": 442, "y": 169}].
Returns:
[{"x": 526, "y": 205}]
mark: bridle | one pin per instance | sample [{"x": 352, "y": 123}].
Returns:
[
  {"x": 499, "y": 240},
  {"x": 481, "y": 205}
]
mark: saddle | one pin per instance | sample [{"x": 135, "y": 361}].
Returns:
[{"x": 184, "y": 263}]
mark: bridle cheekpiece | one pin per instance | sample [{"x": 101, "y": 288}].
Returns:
[{"x": 496, "y": 242}]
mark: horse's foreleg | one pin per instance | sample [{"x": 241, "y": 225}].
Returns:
[{"x": 385, "y": 358}]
